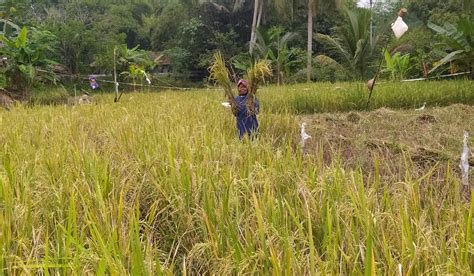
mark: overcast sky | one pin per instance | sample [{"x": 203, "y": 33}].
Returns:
[{"x": 364, "y": 3}]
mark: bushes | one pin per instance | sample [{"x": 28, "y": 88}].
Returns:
[
  {"x": 326, "y": 69},
  {"x": 27, "y": 60}
]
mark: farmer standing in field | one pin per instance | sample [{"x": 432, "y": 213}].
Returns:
[
  {"x": 246, "y": 120},
  {"x": 93, "y": 82}
]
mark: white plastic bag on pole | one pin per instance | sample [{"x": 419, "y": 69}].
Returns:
[{"x": 399, "y": 27}]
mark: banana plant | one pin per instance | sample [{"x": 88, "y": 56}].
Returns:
[
  {"x": 135, "y": 73},
  {"x": 134, "y": 55},
  {"x": 26, "y": 59},
  {"x": 274, "y": 46},
  {"x": 458, "y": 42},
  {"x": 134, "y": 62},
  {"x": 397, "y": 65}
]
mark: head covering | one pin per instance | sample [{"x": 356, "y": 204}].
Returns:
[
  {"x": 93, "y": 82},
  {"x": 242, "y": 82}
]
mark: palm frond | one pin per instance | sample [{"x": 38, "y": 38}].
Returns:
[
  {"x": 323, "y": 59},
  {"x": 360, "y": 49},
  {"x": 289, "y": 36},
  {"x": 334, "y": 44},
  {"x": 261, "y": 45}
]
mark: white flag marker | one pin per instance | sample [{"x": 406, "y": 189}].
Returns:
[
  {"x": 464, "y": 161},
  {"x": 304, "y": 135}
]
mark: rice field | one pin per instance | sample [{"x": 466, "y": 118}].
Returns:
[
  {"x": 159, "y": 184},
  {"x": 343, "y": 97}
]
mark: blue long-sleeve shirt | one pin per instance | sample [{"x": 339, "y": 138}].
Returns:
[{"x": 246, "y": 122}]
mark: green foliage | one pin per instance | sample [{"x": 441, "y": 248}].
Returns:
[
  {"x": 12, "y": 11},
  {"x": 193, "y": 37},
  {"x": 133, "y": 64},
  {"x": 439, "y": 12},
  {"x": 326, "y": 69},
  {"x": 226, "y": 43},
  {"x": 88, "y": 30},
  {"x": 77, "y": 45},
  {"x": 179, "y": 59},
  {"x": 135, "y": 73},
  {"x": 274, "y": 47},
  {"x": 459, "y": 41},
  {"x": 167, "y": 24},
  {"x": 418, "y": 43},
  {"x": 127, "y": 56},
  {"x": 396, "y": 65},
  {"x": 242, "y": 61},
  {"x": 350, "y": 45},
  {"x": 28, "y": 62}
]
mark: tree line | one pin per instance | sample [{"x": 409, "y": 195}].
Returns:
[{"x": 305, "y": 40}]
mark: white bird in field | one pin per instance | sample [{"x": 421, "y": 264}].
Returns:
[
  {"x": 464, "y": 161},
  {"x": 226, "y": 104},
  {"x": 422, "y": 107},
  {"x": 304, "y": 135}
]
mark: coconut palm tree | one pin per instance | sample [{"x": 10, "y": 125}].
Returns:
[
  {"x": 351, "y": 44},
  {"x": 313, "y": 7},
  {"x": 285, "y": 8},
  {"x": 236, "y": 5}
]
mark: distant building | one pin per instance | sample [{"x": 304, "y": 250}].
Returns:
[
  {"x": 163, "y": 63},
  {"x": 11, "y": 29}
]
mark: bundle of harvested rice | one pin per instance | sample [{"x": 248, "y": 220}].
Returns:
[
  {"x": 256, "y": 76},
  {"x": 220, "y": 75}
]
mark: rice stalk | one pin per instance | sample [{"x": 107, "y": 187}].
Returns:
[
  {"x": 255, "y": 76},
  {"x": 257, "y": 73},
  {"x": 160, "y": 186},
  {"x": 220, "y": 74}
]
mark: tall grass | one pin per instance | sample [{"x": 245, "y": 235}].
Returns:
[
  {"x": 160, "y": 184},
  {"x": 339, "y": 97}
]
